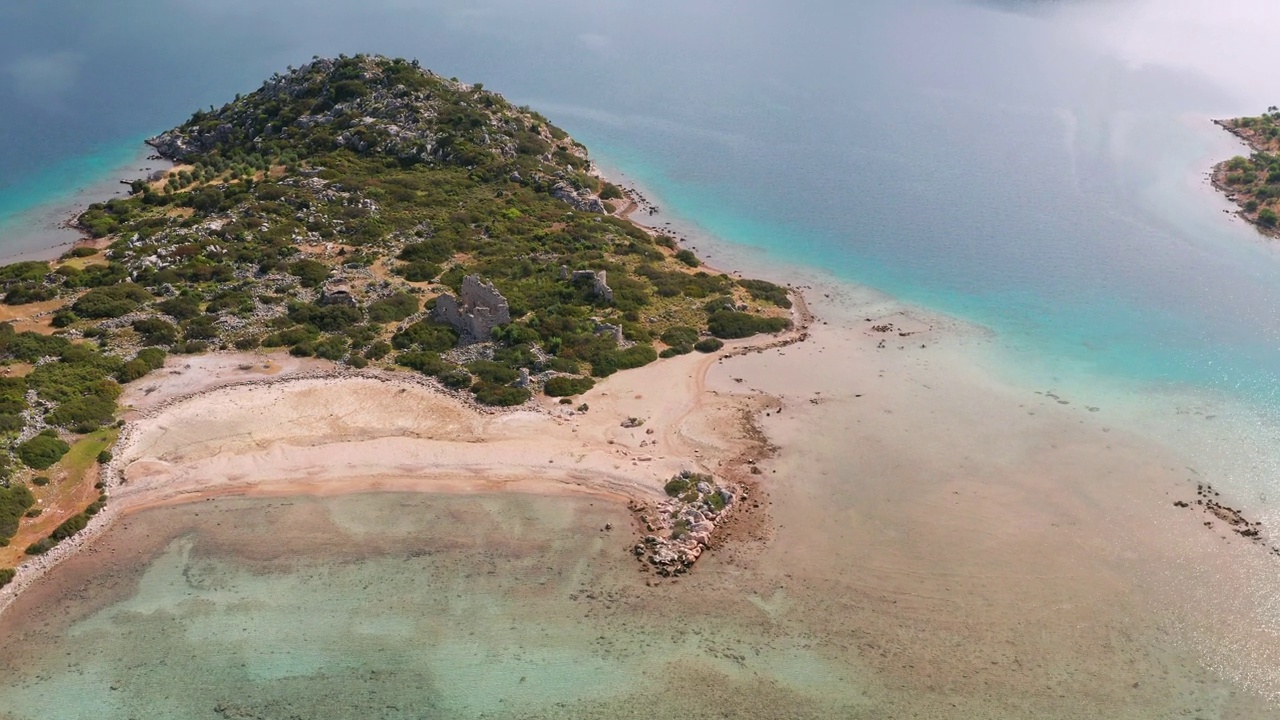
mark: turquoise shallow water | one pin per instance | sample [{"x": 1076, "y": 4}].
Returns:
[
  {"x": 66, "y": 179},
  {"x": 1035, "y": 173},
  {"x": 397, "y": 607}
]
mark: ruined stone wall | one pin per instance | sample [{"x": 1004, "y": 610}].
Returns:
[{"x": 478, "y": 309}]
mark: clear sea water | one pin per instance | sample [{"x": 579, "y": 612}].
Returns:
[{"x": 1033, "y": 167}]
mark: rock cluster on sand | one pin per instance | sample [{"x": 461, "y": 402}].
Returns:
[{"x": 679, "y": 528}]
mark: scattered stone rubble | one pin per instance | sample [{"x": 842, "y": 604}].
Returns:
[{"x": 679, "y": 528}]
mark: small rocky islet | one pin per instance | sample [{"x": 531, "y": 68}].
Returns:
[{"x": 367, "y": 211}]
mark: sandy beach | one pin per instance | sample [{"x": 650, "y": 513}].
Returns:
[
  {"x": 270, "y": 424},
  {"x": 975, "y": 545}
]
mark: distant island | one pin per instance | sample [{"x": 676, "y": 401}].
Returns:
[
  {"x": 364, "y": 211},
  {"x": 1253, "y": 182}
]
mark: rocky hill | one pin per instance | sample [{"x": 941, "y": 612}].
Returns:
[{"x": 366, "y": 211}]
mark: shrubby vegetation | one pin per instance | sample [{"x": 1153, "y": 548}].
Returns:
[
  {"x": 767, "y": 292},
  {"x": 730, "y": 324},
  {"x": 562, "y": 386},
  {"x": 15, "y": 500},
  {"x": 1255, "y": 180},
  {"x": 43, "y": 450},
  {"x": 394, "y": 182},
  {"x": 708, "y": 345}
]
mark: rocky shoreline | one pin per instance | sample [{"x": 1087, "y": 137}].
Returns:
[{"x": 1247, "y": 206}]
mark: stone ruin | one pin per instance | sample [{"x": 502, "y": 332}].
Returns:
[
  {"x": 599, "y": 283},
  {"x": 478, "y": 309},
  {"x": 338, "y": 292}
]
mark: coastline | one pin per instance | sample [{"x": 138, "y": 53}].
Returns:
[
  {"x": 44, "y": 231},
  {"x": 1036, "y": 503},
  {"x": 611, "y": 460},
  {"x": 1220, "y": 171}
]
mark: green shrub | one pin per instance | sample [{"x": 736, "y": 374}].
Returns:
[
  {"x": 457, "y": 379},
  {"x": 84, "y": 414},
  {"x": 680, "y": 335},
  {"x": 562, "y": 386},
  {"x": 104, "y": 457},
  {"x": 40, "y": 480},
  {"x": 500, "y": 395},
  {"x": 111, "y": 302},
  {"x": 393, "y": 309},
  {"x": 729, "y": 325},
  {"x": 609, "y": 362},
  {"x": 25, "y": 271},
  {"x": 14, "y": 503},
  {"x": 180, "y": 308},
  {"x": 435, "y": 250},
  {"x": 675, "y": 350},
  {"x": 29, "y": 293},
  {"x": 418, "y": 271},
  {"x": 326, "y": 318},
  {"x": 427, "y": 363},
  {"x": 708, "y": 345},
  {"x": 64, "y": 318},
  {"x": 70, "y": 526},
  {"x": 564, "y": 365},
  {"x": 6, "y": 576},
  {"x": 426, "y": 335},
  {"x": 153, "y": 357},
  {"x": 767, "y": 292},
  {"x": 333, "y": 347},
  {"x": 310, "y": 273},
  {"x": 688, "y": 258},
  {"x": 41, "y": 546},
  {"x": 133, "y": 370},
  {"x": 493, "y": 372},
  {"x": 42, "y": 451}
]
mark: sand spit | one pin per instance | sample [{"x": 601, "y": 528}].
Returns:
[{"x": 273, "y": 425}]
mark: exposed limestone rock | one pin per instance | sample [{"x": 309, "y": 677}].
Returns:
[
  {"x": 681, "y": 526},
  {"x": 477, "y": 310},
  {"x": 579, "y": 199}
]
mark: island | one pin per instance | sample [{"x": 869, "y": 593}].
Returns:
[
  {"x": 363, "y": 221},
  {"x": 1253, "y": 182}
]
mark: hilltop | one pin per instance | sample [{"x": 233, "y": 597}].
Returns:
[{"x": 362, "y": 210}]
